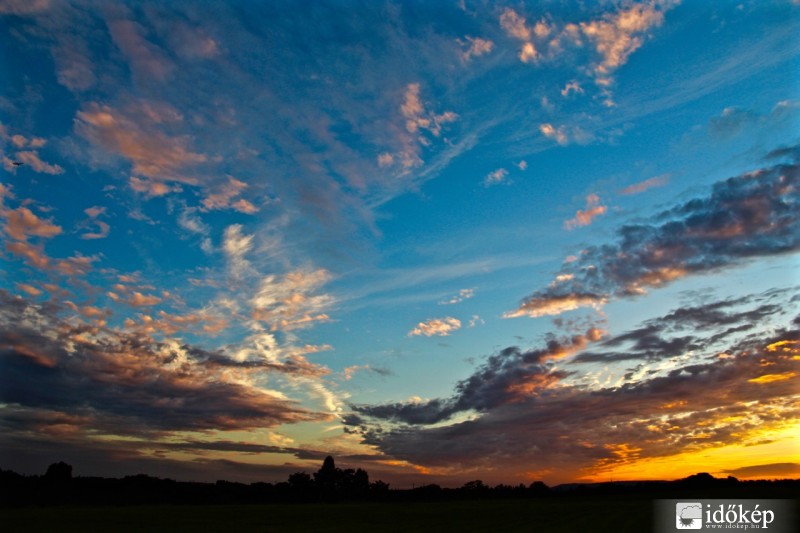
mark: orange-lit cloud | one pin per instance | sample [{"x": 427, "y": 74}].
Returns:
[
  {"x": 476, "y": 47},
  {"x": 701, "y": 235},
  {"x": 152, "y": 153},
  {"x": 22, "y": 223},
  {"x": 655, "y": 181},
  {"x": 585, "y": 217},
  {"x": 436, "y": 326},
  {"x": 555, "y": 305},
  {"x": 616, "y": 36}
]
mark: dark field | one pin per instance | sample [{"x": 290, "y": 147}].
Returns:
[{"x": 557, "y": 514}]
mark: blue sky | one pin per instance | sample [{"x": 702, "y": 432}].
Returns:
[{"x": 424, "y": 237}]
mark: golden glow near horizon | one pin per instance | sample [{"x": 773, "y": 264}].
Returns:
[{"x": 776, "y": 445}]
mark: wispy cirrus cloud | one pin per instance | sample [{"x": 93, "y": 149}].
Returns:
[
  {"x": 649, "y": 183},
  {"x": 421, "y": 127},
  {"x": 751, "y": 215},
  {"x": 228, "y": 196},
  {"x": 137, "y": 137}
]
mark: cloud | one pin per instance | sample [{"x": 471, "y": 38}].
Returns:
[
  {"x": 495, "y": 177},
  {"x": 650, "y": 183},
  {"x": 617, "y": 35},
  {"x": 152, "y": 188},
  {"x": 22, "y": 223},
  {"x": 33, "y": 255},
  {"x": 114, "y": 383},
  {"x": 747, "y": 216},
  {"x": 292, "y": 301},
  {"x": 693, "y": 328},
  {"x": 733, "y": 120},
  {"x": 422, "y": 127},
  {"x": 23, "y": 7},
  {"x": 507, "y": 377},
  {"x": 102, "y": 227},
  {"x": 137, "y": 299},
  {"x": 31, "y": 158},
  {"x": 572, "y": 87},
  {"x": 514, "y": 25},
  {"x": 146, "y": 59},
  {"x": 767, "y": 471},
  {"x": 585, "y": 217},
  {"x": 463, "y": 294},
  {"x": 475, "y": 47},
  {"x": 417, "y": 118},
  {"x": 236, "y": 246},
  {"x": 564, "y": 134},
  {"x": 528, "y": 408},
  {"x": 224, "y": 195},
  {"x": 436, "y": 326},
  {"x": 135, "y": 136},
  {"x": 536, "y": 306}
]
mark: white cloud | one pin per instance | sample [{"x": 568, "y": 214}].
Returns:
[
  {"x": 571, "y": 87},
  {"x": 564, "y": 134},
  {"x": 292, "y": 301},
  {"x": 236, "y": 245},
  {"x": 463, "y": 294},
  {"x": 495, "y": 177},
  {"x": 436, "y": 326}
]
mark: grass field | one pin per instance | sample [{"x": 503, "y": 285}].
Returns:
[{"x": 557, "y": 515}]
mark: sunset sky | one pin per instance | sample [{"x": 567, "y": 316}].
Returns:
[{"x": 441, "y": 241}]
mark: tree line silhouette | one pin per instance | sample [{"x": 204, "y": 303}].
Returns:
[{"x": 331, "y": 485}]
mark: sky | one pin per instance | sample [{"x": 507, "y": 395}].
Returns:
[{"x": 440, "y": 241}]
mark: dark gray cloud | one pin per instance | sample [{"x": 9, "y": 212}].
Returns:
[
  {"x": 770, "y": 470},
  {"x": 91, "y": 377},
  {"x": 751, "y": 215},
  {"x": 567, "y": 429},
  {"x": 702, "y": 326},
  {"x": 741, "y": 379},
  {"x": 506, "y": 377}
]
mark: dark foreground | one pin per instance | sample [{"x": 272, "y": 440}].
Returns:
[{"x": 545, "y": 514}]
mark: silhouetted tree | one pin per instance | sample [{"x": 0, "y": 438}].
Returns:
[
  {"x": 58, "y": 472},
  {"x": 476, "y": 485},
  {"x": 538, "y": 488},
  {"x": 301, "y": 486},
  {"x": 325, "y": 480},
  {"x": 379, "y": 490}
]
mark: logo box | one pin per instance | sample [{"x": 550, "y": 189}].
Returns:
[{"x": 775, "y": 516}]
